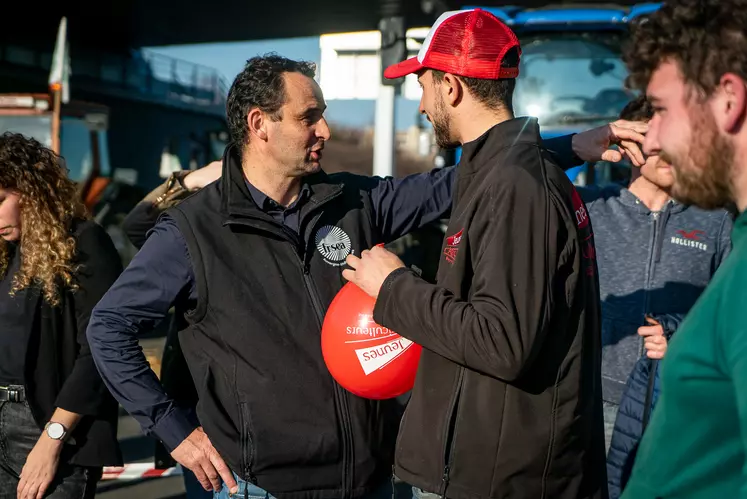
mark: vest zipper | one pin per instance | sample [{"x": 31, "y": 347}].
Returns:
[
  {"x": 341, "y": 401},
  {"x": 340, "y": 394},
  {"x": 247, "y": 444},
  {"x": 450, "y": 433}
]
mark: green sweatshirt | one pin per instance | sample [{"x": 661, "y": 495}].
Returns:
[{"x": 695, "y": 445}]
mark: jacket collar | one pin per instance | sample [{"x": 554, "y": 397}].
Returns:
[
  {"x": 631, "y": 200},
  {"x": 501, "y": 136},
  {"x": 237, "y": 201}
]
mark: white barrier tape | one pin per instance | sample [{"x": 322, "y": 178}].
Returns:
[{"x": 137, "y": 471}]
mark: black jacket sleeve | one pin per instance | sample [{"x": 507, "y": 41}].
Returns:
[
  {"x": 501, "y": 327},
  {"x": 83, "y": 391}
]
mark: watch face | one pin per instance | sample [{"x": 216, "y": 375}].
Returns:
[{"x": 55, "y": 431}]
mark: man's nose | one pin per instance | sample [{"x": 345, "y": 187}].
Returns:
[
  {"x": 323, "y": 131},
  {"x": 651, "y": 144}
]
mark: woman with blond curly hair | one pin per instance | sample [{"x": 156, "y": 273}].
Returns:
[{"x": 58, "y": 422}]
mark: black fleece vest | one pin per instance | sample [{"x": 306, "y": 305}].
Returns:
[{"x": 266, "y": 398}]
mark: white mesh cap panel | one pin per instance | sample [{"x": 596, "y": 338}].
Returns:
[{"x": 427, "y": 42}]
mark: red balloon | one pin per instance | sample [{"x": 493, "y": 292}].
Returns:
[{"x": 365, "y": 358}]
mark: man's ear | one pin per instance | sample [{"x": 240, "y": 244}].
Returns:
[
  {"x": 731, "y": 104},
  {"x": 256, "y": 120},
  {"x": 452, "y": 89}
]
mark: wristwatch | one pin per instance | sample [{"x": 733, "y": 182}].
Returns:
[{"x": 55, "y": 431}]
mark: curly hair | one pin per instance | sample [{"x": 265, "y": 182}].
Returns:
[
  {"x": 49, "y": 202},
  {"x": 260, "y": 85},
  {"x": 638, "y": 109},
  {"x": 706, "y": 38}
]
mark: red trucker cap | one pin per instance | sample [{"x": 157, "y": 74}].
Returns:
[{"x": 469, "y": 43}]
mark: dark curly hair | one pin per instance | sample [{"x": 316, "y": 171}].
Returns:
[
  {"x": 260, "y": 85},
  {"x": 49, "y": 203},
  {"x": 638, "y": 109},
  {"x": 706, "y": 38}
]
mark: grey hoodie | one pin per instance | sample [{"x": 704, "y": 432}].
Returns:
[{"x": 650, "y": 263}]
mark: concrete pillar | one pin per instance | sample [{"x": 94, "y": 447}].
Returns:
[{"x": 384, "y": 145}]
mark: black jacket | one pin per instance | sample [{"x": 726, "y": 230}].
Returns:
[
  {"x": 59, "y": 368},
  {"x": 507, "y": 400},
  {"x": 266, "y": 398}
]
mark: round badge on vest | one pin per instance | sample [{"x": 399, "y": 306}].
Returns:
[{"x": 333, "y": 244}]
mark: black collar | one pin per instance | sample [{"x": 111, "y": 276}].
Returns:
[
  {"x": 499, "y": 137},
  {"x": 238, "y": 201}
]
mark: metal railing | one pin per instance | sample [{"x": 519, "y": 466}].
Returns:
[{"x": 145, "y": 72}]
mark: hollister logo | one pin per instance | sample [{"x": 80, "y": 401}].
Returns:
[
  {"x": 452, "y": 246},
  {"x": 333, "y": 244},
  {"x": 693, "y": 234},
  {"x": 690, "y": 239}
]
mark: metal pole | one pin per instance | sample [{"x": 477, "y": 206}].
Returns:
[
  {"x": 384, "y": 145},
  {"x": 56, "y": 112},
  {"x": 392, "y": 27}
]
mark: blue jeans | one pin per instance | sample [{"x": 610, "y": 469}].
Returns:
[{"x": 250, "y": 491}]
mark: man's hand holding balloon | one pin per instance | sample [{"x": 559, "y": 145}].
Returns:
[{"x": 371, "y": 269}]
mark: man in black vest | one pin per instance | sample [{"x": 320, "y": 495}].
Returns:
[{"x": 252, "y": 261}]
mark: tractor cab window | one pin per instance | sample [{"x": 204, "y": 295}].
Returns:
[
  {"x": 76, "y": 147},
  {"x": 571, "y": 78},
  {"x": 37, "y": 127}
]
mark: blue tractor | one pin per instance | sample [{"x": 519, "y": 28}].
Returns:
[{"x": 571, "y": 76}]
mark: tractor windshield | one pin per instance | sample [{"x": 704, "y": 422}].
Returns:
[
  {"x": 75, "y": 139},
  {"x": 37, "y": 126},
  {"x": 571, "y": 78}
]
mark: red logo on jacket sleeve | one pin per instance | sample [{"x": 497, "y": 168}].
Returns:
[
  {"x": 588, "y": 252},
  {"x": 455, "y": 239},
  {"x": 452, "y": 246},
  {"x": 582, "y": 217}
]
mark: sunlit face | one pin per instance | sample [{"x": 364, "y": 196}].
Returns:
[
  {"x": 10, "y": 215},
  {"x": 683, "y": 132},
  {"x": 432, "y": 105},
  {"x": 297, "y": 139},
  {"x": 658, "y": 172}
]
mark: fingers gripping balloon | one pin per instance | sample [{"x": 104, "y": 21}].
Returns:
[{"x": 365, "y": 358}]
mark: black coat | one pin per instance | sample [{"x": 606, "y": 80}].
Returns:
[
  {"x": 507, "y": 400},
  {"x": 59, "y": 368}
]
